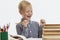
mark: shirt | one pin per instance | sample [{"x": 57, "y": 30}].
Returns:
[{"x": 33, "y": 30}]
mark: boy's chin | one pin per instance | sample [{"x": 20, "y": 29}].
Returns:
[{"x": 28, "y": 18}]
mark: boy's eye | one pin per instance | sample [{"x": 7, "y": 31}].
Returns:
[{"x": 29, "y": 11}]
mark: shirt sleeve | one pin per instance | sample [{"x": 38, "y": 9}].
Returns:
[
  {"x": 39, "y": 31},
  {"x": 19, "y": 29}
]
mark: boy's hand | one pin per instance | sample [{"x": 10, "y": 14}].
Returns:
[
  {"x": 25, "y": 22},
  {"x": 42, "y": 22}
]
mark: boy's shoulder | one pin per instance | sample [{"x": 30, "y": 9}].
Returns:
[{"x": 34, "y": 22}]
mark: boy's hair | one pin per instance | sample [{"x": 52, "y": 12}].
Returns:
[{"x": 23, "y": 4}]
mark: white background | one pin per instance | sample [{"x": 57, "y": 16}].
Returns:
[{"x": 46, "y": 9}]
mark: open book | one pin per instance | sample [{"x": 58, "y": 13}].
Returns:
[{"x": 16, "y": 37}]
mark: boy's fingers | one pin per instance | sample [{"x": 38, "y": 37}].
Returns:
[{"x": 25, "y": 22}]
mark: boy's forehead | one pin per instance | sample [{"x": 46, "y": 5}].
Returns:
[{"x": 27, "y": 8}]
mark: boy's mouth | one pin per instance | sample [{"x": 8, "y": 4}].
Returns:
[{"x": 29, "y": 16}]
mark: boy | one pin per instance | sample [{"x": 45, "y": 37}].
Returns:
[{"x": 27, "y": 27}]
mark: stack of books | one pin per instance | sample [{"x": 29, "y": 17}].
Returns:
[{"x": 51, "y": 32}]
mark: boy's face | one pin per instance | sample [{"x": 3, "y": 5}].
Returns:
[{"x": 27, "y": 13}]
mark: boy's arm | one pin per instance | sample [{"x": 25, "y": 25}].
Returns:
[
  {"x": 40, "y": 31},
  {"x": 18, "y": 29}
]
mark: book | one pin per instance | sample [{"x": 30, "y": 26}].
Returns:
[{"x": 16, "y": 37}]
